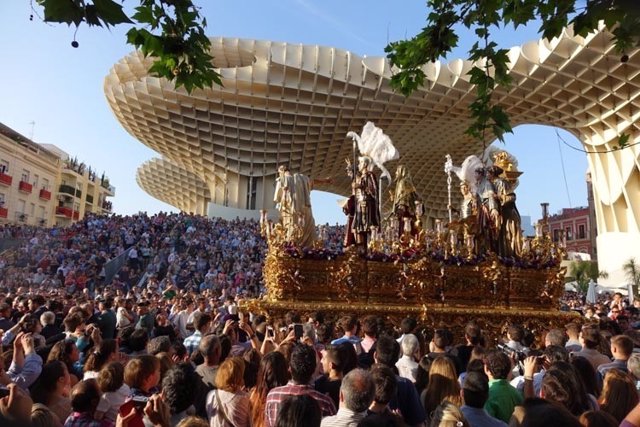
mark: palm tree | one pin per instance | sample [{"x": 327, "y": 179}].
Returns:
[
  {"x": 632, "y": 273},
  {"x": 579, "y": 270},
  {"x": 584, "y": 271}
]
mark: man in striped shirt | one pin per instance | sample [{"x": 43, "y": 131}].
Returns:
[
  {"x": 202, "y": 324},
  {"x": 302, "y": 367}
]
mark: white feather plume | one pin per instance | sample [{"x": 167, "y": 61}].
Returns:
[
  {"x": 466, "y": 171},
  {"x": 375, "y": 144}
]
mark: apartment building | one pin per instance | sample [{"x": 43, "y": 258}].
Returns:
[{"x": 42, "y": 185}]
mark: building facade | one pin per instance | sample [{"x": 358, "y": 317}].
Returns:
[
  {"x": 579, "y": 226},
  {"x": 576, "y": 224},
  {"x": 41, "y": 185}
]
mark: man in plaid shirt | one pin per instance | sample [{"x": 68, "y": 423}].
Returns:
[
  {"x": 302, "y": 367},
  {"x": 202, "y": 323}
]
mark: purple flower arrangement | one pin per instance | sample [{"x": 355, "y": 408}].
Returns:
[{"x": 412, "y": 254}]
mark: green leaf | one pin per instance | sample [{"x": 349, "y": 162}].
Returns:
[
  {"x": 91, "y": 16},
  {"x": 152, "y": 45},
  {"x": 134, "y": 38},
  {"x": 144, "y": 15},
  {"x": 63, "y": 11},
  {"x": 623, "y": 140},
  {"x": 110, "y": 12}
]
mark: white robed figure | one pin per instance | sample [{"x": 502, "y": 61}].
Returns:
[{"x": 293, "y": 199}]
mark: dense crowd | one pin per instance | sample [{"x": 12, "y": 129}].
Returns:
[{"x": 162, "y": 342}]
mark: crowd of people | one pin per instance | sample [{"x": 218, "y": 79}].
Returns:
[{"x": 162, "y": 342}]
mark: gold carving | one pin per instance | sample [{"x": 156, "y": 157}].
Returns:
[{"x": 434, "y": 275}]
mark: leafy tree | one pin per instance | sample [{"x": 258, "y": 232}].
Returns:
[
  {"x": 632, "y": 273},
  {"x": 171, "y": 31},
  {"x": 438, "y": 37}
]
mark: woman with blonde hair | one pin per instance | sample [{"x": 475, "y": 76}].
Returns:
[
  {"x": 443, "y": 385},
  {"x": 619, "y": 395},
  {"x": 193, "y": 421},
  {"x": 448, "y": 415},
  {"x": 229, "y": 405}
]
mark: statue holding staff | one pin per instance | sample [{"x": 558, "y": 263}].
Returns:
[
  {"x": 367, "y": 208},
  {"x": 375, "y": 149}
]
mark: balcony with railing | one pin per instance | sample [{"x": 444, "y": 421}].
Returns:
[
  {"x": 45, "y": 194},
  {"x": 107, "y": 206},
  {"x": 64, "y": 211},
  {"x": 5, "y": 179},
  {"x": 25, "y": 187},
  {"x": 21, "y": 216},
  {"x": 4, "y": 212},
  {"x": 67, "y": 189}
]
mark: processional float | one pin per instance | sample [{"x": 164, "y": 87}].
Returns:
[{"x": 473, "y": 265}]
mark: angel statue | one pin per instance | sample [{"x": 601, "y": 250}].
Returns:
[{"x": 375, "y": 149}]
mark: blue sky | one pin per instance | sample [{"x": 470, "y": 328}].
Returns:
[{"x": 46, "y": 81}]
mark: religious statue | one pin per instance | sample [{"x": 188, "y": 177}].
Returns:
[
  {"x": 510, "y": 240},
  {"x": 283, "y": 197},
  {"x": 467, "y": 222},
  {"x": 405, "y": 200},
  {"x": 469, "y": 204},
  {"x": 469, "y": 217},
  {"x": 375, "y": 149},
  {"x": 479, "y": 209},
  {"x": 367, "y": 209},
  {"x": 293, "y": 200},
  {"x": 488, "y": 211},
  {"x": 348, "y": 206}
]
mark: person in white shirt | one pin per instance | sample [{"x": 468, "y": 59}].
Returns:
[
  {"x": 202, "y": 309},
  {"x": 407, "y": 326},
  {"x": 407, "y": 365},
  {"x": 123, "y": 317},
  {"x": 114, "y": 391},
  {"x": 181, "y": 319},
  {"x": 38, "y": 277}
]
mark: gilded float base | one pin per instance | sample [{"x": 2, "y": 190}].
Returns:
[{"x": 437, "y": 292}]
